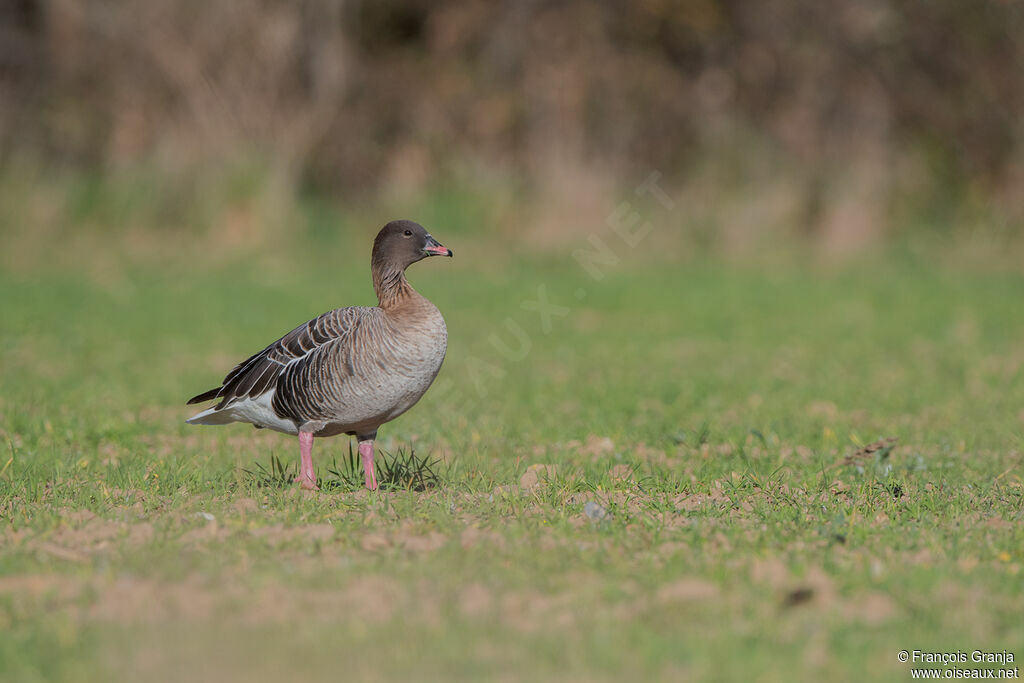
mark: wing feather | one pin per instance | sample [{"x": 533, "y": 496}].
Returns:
[{"x": 302, "y": 355}]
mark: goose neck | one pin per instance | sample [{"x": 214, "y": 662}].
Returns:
[{"x": 391, "y": 286}]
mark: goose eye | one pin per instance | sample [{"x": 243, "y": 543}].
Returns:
[{"x": 408, "y": 233}]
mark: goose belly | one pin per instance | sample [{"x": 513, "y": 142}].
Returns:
[
  {"x": 392, "y": 385},
  {"x": 260, "y": 412}
]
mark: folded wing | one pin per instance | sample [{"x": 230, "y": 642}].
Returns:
[{"x": 299, "y": 367}]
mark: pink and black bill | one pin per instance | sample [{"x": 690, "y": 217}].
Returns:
[{"x": 435, "y": 248}]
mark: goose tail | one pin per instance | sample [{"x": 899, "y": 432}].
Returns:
[{"x": 211, "y": 416}]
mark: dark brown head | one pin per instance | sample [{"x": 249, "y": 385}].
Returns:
[{"x": 400, "y": 244}]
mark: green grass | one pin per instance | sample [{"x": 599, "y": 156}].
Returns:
[{"x": 706, "y": 408}]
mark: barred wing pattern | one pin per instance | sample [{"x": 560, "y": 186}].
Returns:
[{"x": 295, "y": 365}]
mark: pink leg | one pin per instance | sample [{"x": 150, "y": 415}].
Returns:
[
  {"x": 307, "y": 477},
  {"x": 366, "y": 453}
]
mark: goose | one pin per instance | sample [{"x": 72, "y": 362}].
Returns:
[{"x": 349, "y": 370}]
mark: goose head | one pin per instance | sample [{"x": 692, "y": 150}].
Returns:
[{"x": 400, "y": 244}]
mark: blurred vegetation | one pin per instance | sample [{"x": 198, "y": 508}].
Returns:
[{"x": 839, "y": 123}]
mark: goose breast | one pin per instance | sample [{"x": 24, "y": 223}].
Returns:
[{"x": 369, "y": 376}]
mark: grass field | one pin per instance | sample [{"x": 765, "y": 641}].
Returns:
[{"x": 694, "y": 515}]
